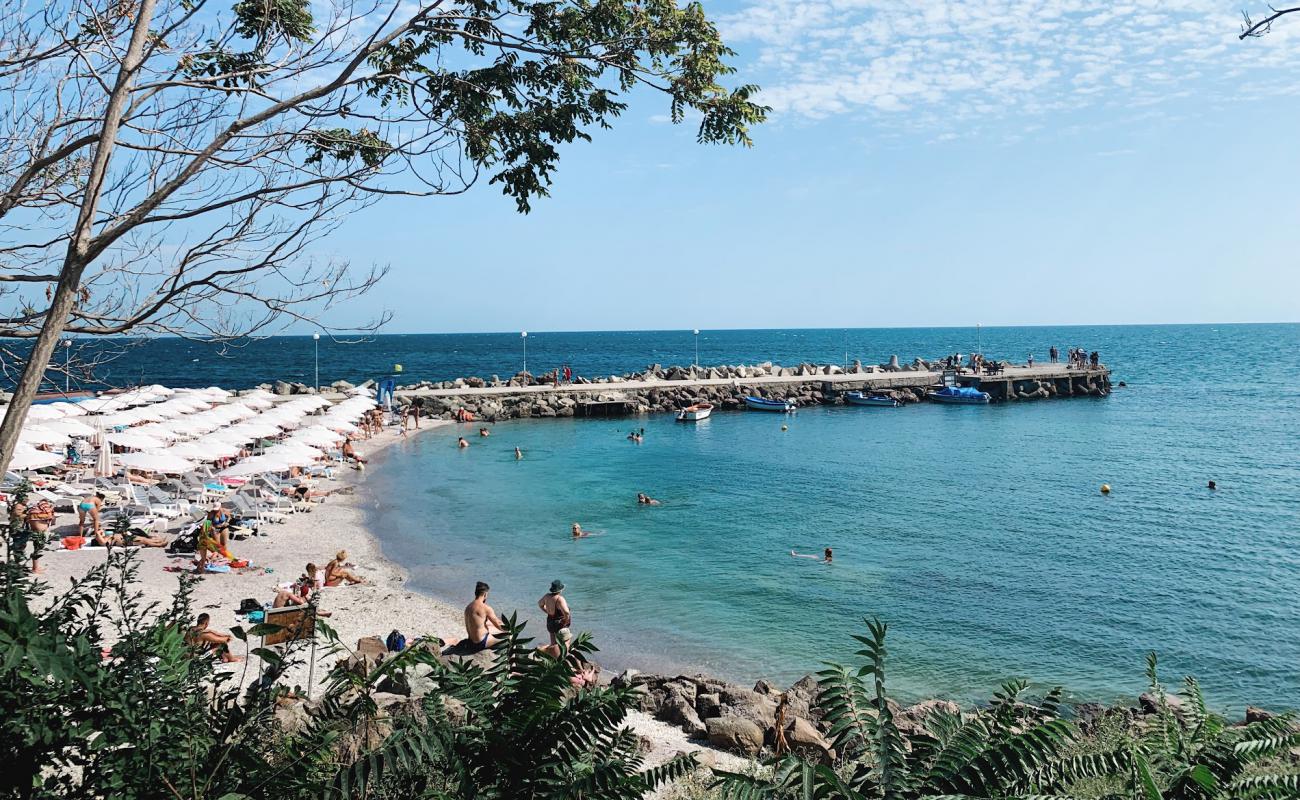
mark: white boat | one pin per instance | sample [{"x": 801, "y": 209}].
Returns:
[{"x": 695, "y": 413}]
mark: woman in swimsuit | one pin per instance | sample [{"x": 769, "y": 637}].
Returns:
[
  {"x": 90, "y": 506},
  {"x": 336, "y": 571},
  {"x": 556, "y": 609}
]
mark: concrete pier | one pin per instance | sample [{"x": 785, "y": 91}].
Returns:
[{"x": 641, "y": 394}]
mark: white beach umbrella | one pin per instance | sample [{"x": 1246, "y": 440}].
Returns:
[
  {"x": 205, "y": 449},
  {"x": 338, "y": 424},
  {"x": 254, "y": 466},
  {"x": 317, "y": 437},
  {"x": 25, "y": 458},
  {"x": 42, "y": 436},
  {"x": 165, "y": 431},
  {"x": 255, "y": 429},
  {"x": 296, "y": 449},
  {"x": 135, "y": 441},
  {"x": 256, "y": 402},
  {"x": 43, "y": 412},
  {"x": 69, "y": 409},
  {"x": 70, "y": 426},
  {"x": 157, "y": 462}
]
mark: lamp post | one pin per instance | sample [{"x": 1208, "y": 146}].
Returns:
[
  {"x": 978, "y": 346},
  {"x": 315, "y": 338},
  {"x": 697, "y": 348},
  {"x": 67, "y": 365},
  {"x": 524, "y": 335}
]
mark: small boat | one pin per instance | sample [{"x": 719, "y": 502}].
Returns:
[
  {"x": 763, "y": 404},
  {"x": 695, "y": 413},
  {"x": 959, "y": 395},
  {"x": 873, "y": 399}
]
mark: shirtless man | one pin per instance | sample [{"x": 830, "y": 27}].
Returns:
[
  {"x": 481, "y": 621},
  {"x": 204, "y": 638}
]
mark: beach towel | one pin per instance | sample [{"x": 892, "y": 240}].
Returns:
[
  {"x": 217, "y": 568},
  {"x": 73, "y": 542}
]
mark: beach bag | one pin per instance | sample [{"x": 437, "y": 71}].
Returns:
[
  {"x": 73, "y": 542},
  {"x": 185, "y": 543},
  {"x": 396, "y": 642}
]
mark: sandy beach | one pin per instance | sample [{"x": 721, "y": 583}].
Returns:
[{"x": 374, "y": 608}]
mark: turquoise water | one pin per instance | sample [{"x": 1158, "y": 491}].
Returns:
[{"x": 979, "y": 534}]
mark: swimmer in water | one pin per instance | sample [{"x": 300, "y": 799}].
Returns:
[
  {"x": 483, "y": 432},
  {"x": 460, "y": 442},
  {"x": 827, "y": 556},
  {"x": 645, "y": 500},
  {"x": 518, "y": 454},
  {"x": 1211, "y": 485},
  {"x": 578, "y": 532}
]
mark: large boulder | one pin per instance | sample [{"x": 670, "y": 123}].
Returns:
[
  {"x": 682, "y": 714},
  {"x": 745, "y": 704},
  {"x": 734, "y": 734},
  {"x": 801, "y": 698},
  {"x": 283, "y": 388},
  {"x": 911, "y": 720},
  {"x": 803, "y": 737},
  {"x": 1149, "y": 702}
]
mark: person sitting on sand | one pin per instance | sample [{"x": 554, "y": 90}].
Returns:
[
  {"x": 336, "y": 571},
  {"x": 350, "y": 453},
  {"x": 460, "y": 442},
  {"x": 300, "y": 592},
  {"x": 518, "y": 454},
  {"x": 483, "y": 432},
  {"x": 585, "y": 673},
  {"x": 556, "y": 609},
  {"x": 205, "y": 639},
  {"x": 645, "y": 499},
  {"x": 89, "y": 508},
  {"x": 481, "y": 622},
  {"x": 826, "y": 556}
]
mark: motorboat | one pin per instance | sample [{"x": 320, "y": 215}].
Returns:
[
  {"x": 695, "y": 413},
  {"x": 872, "y": 399},
  {"x": 960, "y": 395},
  {"x": 763, "y": 404}
]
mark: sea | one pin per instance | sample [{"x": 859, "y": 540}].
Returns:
[{"x": 979, "y": 534}]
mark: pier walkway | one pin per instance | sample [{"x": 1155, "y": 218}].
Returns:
[{"x": 846, "y": 381}]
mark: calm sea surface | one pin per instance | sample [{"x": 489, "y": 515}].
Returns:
[{"x": 979, "y": 534}]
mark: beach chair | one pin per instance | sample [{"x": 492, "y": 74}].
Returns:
[
  {"x": 247, "y": 507},
  {"x": 152, "y": 502}
]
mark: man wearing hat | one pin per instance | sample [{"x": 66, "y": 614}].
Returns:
[{"x": 556, "y": 609}]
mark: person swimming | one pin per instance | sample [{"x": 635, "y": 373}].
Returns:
[
  {"x": 518, "y": 454},
  {"x": 461, "y": 443},
  {"x": 483, "y": 432},
  {"x": 1211, "y": 485},
  {"x": 645, "y": 500},
  {"x": 826, "y": 558}
]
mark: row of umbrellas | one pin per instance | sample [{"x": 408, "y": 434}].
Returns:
[{"x": 172, "y": 430}]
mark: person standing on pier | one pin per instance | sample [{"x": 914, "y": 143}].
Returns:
[{"x": 1054, "y": 354}]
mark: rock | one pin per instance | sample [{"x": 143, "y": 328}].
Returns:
[
  {"x": 735, "y": 734},
  {"x": 801, "y": 698},
  {"x": 893, "y": 364},
  {"x": 742, "y": 703},
  {"x": 283, "y": 389},
  {"x": 340, "y": 386},
  {"x": 765, "y": 687},
  {"x": 802, "y": 736},
  {"x": 708, "y": 705},
  {"x": 911, "y": 720},
  {"x": 682, "y": 714},
  {"x": 1150, "y": 704},
  {"x": 474, "y": 382},
  {"x": 1257, "y": 714},
  {"x": 628, "y": 677}
]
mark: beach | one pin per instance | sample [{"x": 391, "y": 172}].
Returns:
[{"x": 383, "y": 603}]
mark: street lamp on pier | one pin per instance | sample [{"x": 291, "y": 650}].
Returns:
[
  {"x": 315, "y": 337},
  {"x": 67, "y": 365},
  {"x": 524, "y": 335},
  {"x": 697, "y": 348}
]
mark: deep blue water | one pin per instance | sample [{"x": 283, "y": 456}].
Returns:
[
  {"x": 979, "y": 534},
  {"x": 179, "y": 362}
]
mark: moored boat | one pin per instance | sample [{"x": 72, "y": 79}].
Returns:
[
  {"x": 959, "y": 395},
  {"x": 763, "y": 404},
  {"x": 872, "y": 399},
  {"x": 695, "y": 413}
]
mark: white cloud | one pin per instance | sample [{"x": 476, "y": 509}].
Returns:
[{"x": 953, "y": 62}]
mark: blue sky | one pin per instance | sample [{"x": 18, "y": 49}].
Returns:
[{"x": 926, "y": 164}]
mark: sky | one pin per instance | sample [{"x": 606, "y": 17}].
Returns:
[{"x": 1002, "y": 162}]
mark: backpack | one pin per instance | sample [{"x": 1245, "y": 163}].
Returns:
[
  {"x": 395, "y": 642},
  {"x": 184, "y": 543}
]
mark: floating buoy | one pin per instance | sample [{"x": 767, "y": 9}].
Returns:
[
  {"x": 1105, "y": 488},
  {"x": 397, "y": 368},
  {"x": 785, "y": 427}
]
